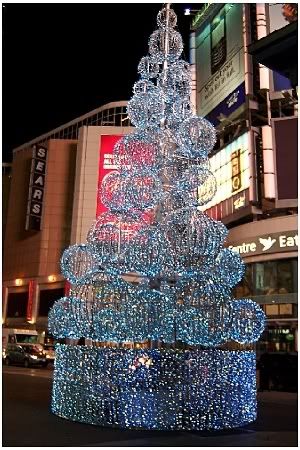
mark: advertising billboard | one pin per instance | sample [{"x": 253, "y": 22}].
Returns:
[
  {"x": 106, "y": 164},
  {"x": 285, "y": 138},
  {"x": 230, "y": 166},
  {"x": 278, "y": 20},
  {"x": 220, "y": 72}
]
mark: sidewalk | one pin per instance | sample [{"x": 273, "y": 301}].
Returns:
[{"x": 277, "y": 397}]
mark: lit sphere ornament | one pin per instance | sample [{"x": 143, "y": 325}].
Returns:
[
  {"x": 78, "y": 263},
  {"x": 166, "y": 18},
  {"x": 143, "y": 191},
  {"x": 146, "y": 110},
  {"x": 148, "y": 67},
  {"x": 149, "y": 254},
  {"x": 248, "y": 321},
  {"x": 61, "y": 321},
  {"x": 208, "y": 189},
  {"x": 198, "y": 134},
  {"x": 199, "y": 292},
  {"x": 144, "y": 87},
  {"x": 113, "y": 294},
  {"x": 229, "y": 268},
  {"x": 144, "y": 316},
  {"x": 157, "y": 45},
  {"x": 176, "y": 83},
  {"x": 182, "y": 109},
  {"x": 108, "y": 326},
  {"x": 113, "y": 192},
  {"x": 111, "y": 234},
  {"x": 137, "y": 151},
  {"x": 191, "y": 178},
  {"x": 194, "y": 239},
  {"x": 122, "y": 193},
  {"x": 207, "y": 326}
]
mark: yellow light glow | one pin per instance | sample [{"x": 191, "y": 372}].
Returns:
[
  {"x": 52, "y": 278},
  {"x": 18, "y": 282}
]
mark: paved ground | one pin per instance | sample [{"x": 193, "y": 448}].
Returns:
[{"x": 28, "y": 422}]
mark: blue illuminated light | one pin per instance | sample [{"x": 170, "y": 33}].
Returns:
[
  {"x": 154, "y": 273},
  {"x": 155, "y": 389}
]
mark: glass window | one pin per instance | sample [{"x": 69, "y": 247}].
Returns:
[
  {"x": 28, "y": 338},
  {"x": 269, "y": 278},
  {"x": 17, "y": 304},
  {"x": 47, "y": 299}
]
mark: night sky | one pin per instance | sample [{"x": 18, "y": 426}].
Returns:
[{"x": 63, "y": 60}]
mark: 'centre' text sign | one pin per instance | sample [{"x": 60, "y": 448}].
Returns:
[{"x": 268, "y": 243}]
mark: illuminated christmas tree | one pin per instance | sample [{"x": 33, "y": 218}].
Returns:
[{"x": 151, "y": 287}]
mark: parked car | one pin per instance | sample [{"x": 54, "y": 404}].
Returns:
[
  {"x": 49, "y": 350},
  {"x": 26, "y": 355}
]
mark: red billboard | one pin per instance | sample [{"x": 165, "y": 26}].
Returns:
[{"x": 106, "y": 164}]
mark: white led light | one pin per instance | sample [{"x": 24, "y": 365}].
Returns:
[{"x": 154, "y": 270}]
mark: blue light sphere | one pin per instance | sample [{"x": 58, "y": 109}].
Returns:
[
  {"x": 145, "y": 110},
  {"x": 157, "y": 43},
  {"x": 229, "y": 268},
  {"x": 248, "y": 321},
  {"x": 166, "y": 18},
  {"x": 148, "y": 68},
  {"x": 198, "y": 134},
  {"x": 61, "y": 320},
  {"x": 207, "y": 326},
  {"x": 78, "y": 263},
  {"x": 108, "y": 326},
  {"x": 111, "y": 234},
  {"x": 207, "y": 190}
]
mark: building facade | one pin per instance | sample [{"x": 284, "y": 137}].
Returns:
[
  {"x": 53, "y": 202},
  {"x": 254, "y": 110},
  {"x": 6, "y": 182}
]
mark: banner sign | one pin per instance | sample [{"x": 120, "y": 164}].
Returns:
[
  {"x": 228, "y": 106},
  {"x": 31, "y": 294}
]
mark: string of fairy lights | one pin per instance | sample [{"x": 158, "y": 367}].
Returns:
[
  {"x": 155, "y": 230},
  {"x": 163, "y": 390}
]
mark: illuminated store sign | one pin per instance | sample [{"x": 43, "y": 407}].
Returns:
[
  {"x": 268, "y": 243},
  {"x": 230, "y": 166},
  {"x": 36, "y": 188},
  {"x": 236, "y": 171}
]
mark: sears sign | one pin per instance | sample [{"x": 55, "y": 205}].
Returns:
[{"x": 36, "y": 188}]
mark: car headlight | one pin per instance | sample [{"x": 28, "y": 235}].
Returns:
[{"x": 33, "y": 357}]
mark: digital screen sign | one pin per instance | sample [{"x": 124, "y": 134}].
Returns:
[{"x": 230, "y": 166}]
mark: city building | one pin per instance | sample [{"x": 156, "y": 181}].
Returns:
[
  {"x": 6, "y": 181},
  {"x": 53, "y": 202},
  {"x": 53, "y": 199},
  {"x": 254, "y": 110}
]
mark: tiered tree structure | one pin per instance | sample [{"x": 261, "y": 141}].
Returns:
[{"x": 159, "y": 348}]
